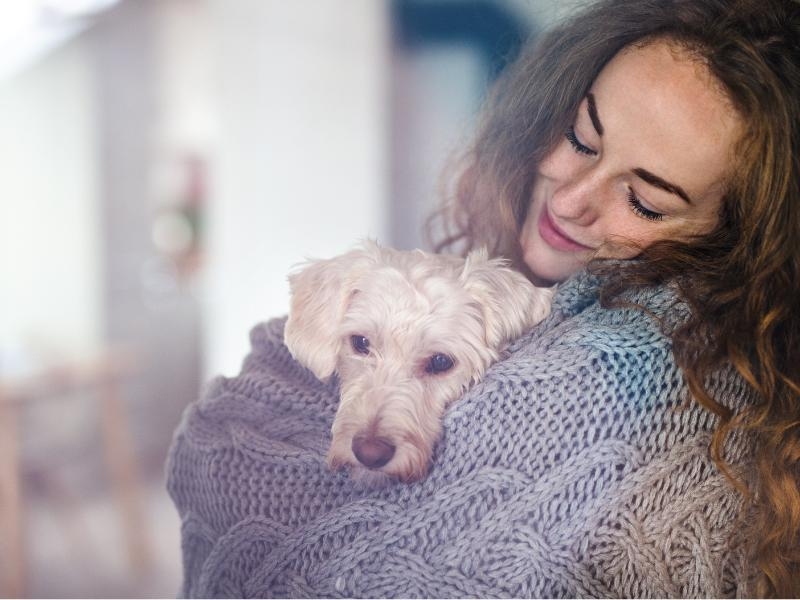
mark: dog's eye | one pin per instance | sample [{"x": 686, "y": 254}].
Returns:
[
  {"x": 360, "y": 344},
  {"x": 439, "y": 363}
]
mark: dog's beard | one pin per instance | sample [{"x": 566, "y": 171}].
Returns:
[{"x": 408, "y": 416}]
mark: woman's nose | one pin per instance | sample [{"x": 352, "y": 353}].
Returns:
[{"x": 580, "y": 199}]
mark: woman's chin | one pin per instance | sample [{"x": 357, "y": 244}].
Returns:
[{"x": 547, "y": 268}]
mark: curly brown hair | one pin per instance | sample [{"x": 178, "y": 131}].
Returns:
[{"x": 742, "y": 279}]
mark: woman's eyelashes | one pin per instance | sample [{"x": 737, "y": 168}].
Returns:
[
  {"x": 633, "y": 200},
  {"x": 576, "y": 144},
  {"x": 640, "y": 209}
]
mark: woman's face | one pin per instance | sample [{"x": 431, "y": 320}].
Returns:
[{"x": 645, "y": 160}]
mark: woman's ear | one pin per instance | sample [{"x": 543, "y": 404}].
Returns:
[
  {"x": 320, "y": 293},
  {"x": 511, "y": 304}
]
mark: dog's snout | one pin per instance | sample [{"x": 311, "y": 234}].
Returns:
[{"x": 372, "y": 452}]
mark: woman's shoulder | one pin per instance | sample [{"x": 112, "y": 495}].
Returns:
[
  {"x": 661, "y": 305},
  {"x": 591, "y": 372},
  {"x": 580, "y": 327}
]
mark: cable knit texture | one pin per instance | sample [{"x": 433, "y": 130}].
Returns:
[{"x": 575, "y": 468}]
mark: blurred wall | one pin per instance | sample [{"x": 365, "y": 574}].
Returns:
[
  {"x": 50, "y": 260},
  {"x": 300, "y": 166},
  {"x": 149, "y": 303}
]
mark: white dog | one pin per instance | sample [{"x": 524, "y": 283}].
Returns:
[{"x": 407, "y": 333}]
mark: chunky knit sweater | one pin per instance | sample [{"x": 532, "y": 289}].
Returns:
[{"x": 575, "y": 468}]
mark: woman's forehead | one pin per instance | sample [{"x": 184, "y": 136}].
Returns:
[{"x": 663, "y": 109}]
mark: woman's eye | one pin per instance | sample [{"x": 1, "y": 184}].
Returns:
[
  {"x": 642, "y": 210},
  {"x": 439, "y": 363},
  {"x": 576, "y": 144},
  {"x": 360, "y": 344}
]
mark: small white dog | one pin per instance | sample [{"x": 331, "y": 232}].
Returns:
[{"x": 407, "y": 333}]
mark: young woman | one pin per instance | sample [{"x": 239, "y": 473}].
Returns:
[{"x": 645, "y": 439}]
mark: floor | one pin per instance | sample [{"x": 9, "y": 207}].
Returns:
[{"x": 76, "y": 549}]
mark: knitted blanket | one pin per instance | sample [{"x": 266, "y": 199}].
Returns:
[{"x": 574, "y": 468}]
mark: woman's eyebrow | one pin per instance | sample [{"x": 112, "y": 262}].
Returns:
[
  {"x": 645, "y": 175},
  {"x": 656, "y": 181},
  {"x": 592, "y": 108}
]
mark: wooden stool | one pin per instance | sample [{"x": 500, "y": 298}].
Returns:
[{"x": 102, "y": 378}]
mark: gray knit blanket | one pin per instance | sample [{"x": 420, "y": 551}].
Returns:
[{"x": 575, "y": 468}]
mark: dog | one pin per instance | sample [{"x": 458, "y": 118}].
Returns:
[{"x": 407, "y": 333}]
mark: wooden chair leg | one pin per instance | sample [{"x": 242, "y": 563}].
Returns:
[
  {"x": 122, "y": 466},
  {"x": 12, "y": 548}
]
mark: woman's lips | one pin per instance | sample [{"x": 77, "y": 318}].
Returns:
[{"x": 556, "y": 238}]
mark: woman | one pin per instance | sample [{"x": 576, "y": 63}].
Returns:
[{"x": 645, "y": 439}]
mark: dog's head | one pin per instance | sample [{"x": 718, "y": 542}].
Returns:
[{"x": 407, "y": 333}]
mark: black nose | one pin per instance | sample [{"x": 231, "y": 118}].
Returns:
[{"x": 372, "y": 452}]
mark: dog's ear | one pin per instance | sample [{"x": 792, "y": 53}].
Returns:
[
  {"x": 511, "y": 304},
  {"x": 320, "y": 292}
]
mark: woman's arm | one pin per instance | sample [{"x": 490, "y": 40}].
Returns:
[{"x": 261, "y": 431}]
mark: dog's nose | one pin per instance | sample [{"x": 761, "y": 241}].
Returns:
[{"x": 372, "y": 452}]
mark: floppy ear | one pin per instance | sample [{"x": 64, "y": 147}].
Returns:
[
  {"x": 320, "y": 292},
  {"x": 511, "y": 304}
]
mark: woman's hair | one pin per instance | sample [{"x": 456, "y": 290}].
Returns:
[{"x": 742, "y": 279}]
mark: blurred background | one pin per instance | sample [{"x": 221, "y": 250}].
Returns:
[{"x": 163, "y": 165}]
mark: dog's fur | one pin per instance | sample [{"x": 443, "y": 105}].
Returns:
[{"x": 410, "y": 306}]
